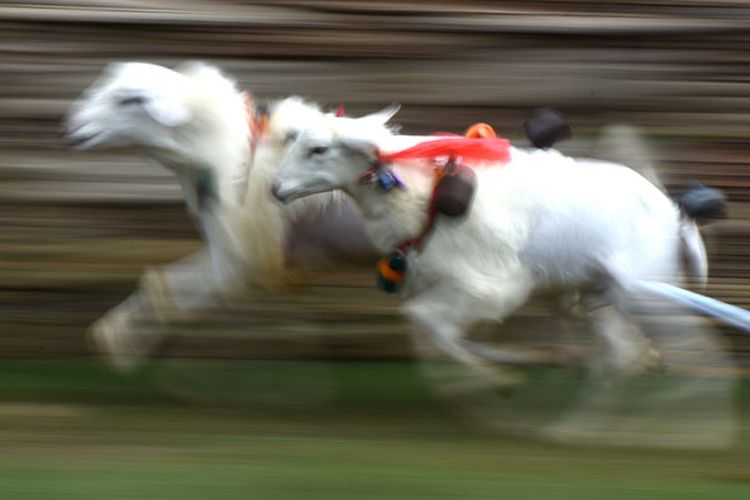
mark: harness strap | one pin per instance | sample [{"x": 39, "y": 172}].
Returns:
[
  {"x": 480, "y": 144},
  {"x": 257, "y": 122},
  {"x": 392, "y": 268},
  {"x": 415, "y": 243}
]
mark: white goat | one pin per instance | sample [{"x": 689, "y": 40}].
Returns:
[
  {"x": 195, "y": 122},
  {"x": 541, "y": 222}
]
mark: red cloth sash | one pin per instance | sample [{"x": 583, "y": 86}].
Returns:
[{"x": 464, "y": 151}]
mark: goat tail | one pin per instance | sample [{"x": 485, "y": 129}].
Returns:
[
  {"x": 693, "y": 252},
  {"x": 698, "y": 204}
]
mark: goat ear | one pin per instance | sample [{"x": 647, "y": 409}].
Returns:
[
  {"x": 384, "y": 115},
  {"x": 359, "y": 145},
  {"x": 169, "y": 110}
]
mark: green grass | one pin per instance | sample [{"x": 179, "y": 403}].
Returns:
[{"x": 72, "y": 430}]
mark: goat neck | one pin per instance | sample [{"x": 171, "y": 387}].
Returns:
[
  {"x": 216, "y": 144},
  {"x": 400, "y": 214}
]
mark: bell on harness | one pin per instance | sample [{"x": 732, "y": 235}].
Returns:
[
  {"x": 391, "y": 271},
  {"x": 546, "y": 127},
  {"x": 702, "y": 203},
  {"x": 455, "y": 190},
  {"x": 452, "y": 191}
]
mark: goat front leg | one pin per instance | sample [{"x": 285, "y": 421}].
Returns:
[
  {"x": 446, "y": 314},
  {"x": 131, "y": 331},
  {"x": 242, "y": 252}
]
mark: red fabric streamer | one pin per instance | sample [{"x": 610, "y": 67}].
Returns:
[{"x": 488, "y": 149}]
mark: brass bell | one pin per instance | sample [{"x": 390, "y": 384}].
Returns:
[{"x": 455, "y": 191}]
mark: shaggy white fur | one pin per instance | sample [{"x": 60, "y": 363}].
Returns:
[
  {"x": 542, "y": 222},
  {"x": 195, "y": 122}
]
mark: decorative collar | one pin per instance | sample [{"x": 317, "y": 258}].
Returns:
[
  {"x": 381, "y": 176},
  {"x": 415, "y": 243},
  {"x": 480, "y": 146},
  {"x": 257, "y": 121},
  {"x": 391, "y": 269}
]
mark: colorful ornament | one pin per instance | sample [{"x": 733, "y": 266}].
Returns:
[
  {"x": 391, "y": 271},
  {"x": 388, "y": 180},
  {"x": 382, "y": 177}
]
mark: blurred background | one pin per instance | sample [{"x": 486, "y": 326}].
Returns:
[{"x": 318, "y": 393}]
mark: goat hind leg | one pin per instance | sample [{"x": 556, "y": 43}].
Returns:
[{"x": 628, "y": 350}]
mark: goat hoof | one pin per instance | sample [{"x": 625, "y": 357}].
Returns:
[
  {"x": 120, "y": 347},
  {"x": 655, "y": 361}
]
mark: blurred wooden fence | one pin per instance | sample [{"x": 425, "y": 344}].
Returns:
[{"x": 77, "y": 229}]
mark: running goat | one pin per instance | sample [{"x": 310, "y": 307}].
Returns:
[
  {"x": 539, "y": 222},
  {"x": 224, "y": 150}
]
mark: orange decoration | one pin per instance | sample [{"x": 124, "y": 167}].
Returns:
[
  {"x": 480, "y": 131},
  {"x": 386, "y": 272}
]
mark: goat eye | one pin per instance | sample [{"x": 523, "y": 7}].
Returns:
[
  {"x": 318, "y": 150},
  {"x": 131, "y": 100},
  {"x": 290, "y": 136}
]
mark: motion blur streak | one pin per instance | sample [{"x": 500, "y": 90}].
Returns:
[{"x": 317, "y": 393}]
